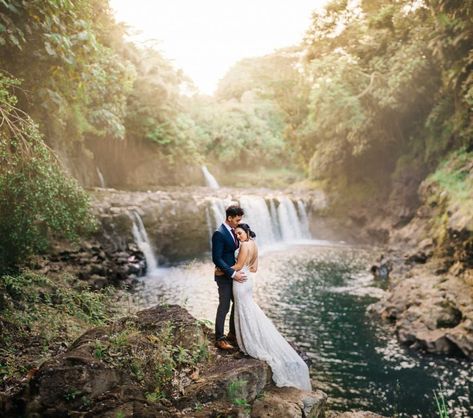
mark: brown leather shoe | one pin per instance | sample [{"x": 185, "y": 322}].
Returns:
[{"x": 224, "y": 345}]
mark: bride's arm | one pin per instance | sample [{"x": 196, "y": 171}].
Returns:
[{"x": 241, "y": 257}]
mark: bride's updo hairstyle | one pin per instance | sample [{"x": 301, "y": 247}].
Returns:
[{"x": 247, "y": 229}]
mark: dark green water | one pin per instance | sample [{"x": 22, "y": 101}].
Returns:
[{"x": 318, "y": 297}]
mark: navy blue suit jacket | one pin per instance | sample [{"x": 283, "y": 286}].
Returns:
[{"x": 223, "y": 250}]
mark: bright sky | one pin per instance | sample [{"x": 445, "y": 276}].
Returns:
[{"x": 205, "y": 37}]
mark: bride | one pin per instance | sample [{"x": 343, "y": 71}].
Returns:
[{"x": 256, "y": 334}]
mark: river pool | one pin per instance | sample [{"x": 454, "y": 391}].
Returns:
[{"x": 317, "y": 295}]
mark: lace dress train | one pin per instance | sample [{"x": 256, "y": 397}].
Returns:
[{"x": 258, "y": 337}]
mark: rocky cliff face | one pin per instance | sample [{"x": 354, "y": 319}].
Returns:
[
  {"x": 178, "y": 223},
  {"x": 431, "y": 292},
  {"x": 175, "y": 221}
]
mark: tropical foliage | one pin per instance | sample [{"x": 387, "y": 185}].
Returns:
[
  {"x": 376, "y": 86},
  {"x": 391, "y": 81},
  {"x": 37, "y": 199}
]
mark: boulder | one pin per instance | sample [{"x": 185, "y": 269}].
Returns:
[
  {"x": 160, "y": 362},
  {"x": 289, "y": 403},
  {"x": 354, "y": 414}
]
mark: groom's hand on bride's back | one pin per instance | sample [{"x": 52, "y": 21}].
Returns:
[{"x": 240, "y": 277}]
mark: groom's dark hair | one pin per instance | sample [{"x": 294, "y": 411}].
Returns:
[{"x": 233, "y": 211}]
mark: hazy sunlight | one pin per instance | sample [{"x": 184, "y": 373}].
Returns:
[{"x": 206, "y": 37}]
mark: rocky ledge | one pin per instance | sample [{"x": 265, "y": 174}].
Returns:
[
  {"x": 178, "y": 221},
  {"x": 430, "y": 298},
  {"x": 94, "y": 264},
  {"x": 174, "y": 224},
  {"x": 430, "y": 312},
  {"x": 158, "y": 363}
]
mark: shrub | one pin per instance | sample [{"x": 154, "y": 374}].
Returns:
[{"x": 38, "y": 199}]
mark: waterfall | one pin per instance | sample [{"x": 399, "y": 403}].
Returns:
[
  {"x": 304, "y": 219},
  {"x": 217, "y": 207},
  {"x": 142, "y": 240},
  {"x": 101, "y": 179},
  {"x": 210, "y": 226},
  {"x": 288, "y": 220},
  {"x": 275, "y": 220},
  {"x": 258, "y": 216},
  {"x": 209, "y": 179}
]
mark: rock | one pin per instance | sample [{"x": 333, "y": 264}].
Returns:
[
  {"x": 97, "y": 282},
  {"x": 98, "y": 269},
  {"x": 134, "y": 268},
  {"x": 251, "y": 375},
  {"x": 126, "y": 367},
  {"x": 354, "y": 414},
  {"x": 430, "y": 312},
  {"x": 416, "y": 257},
  {"x": 289, "y": 403},
  {"x": 90, "y": 379},
  {"x": 382, "y": 268},
  {"x": 92, "y": 262},
  {"x": 426, "y": 245}
]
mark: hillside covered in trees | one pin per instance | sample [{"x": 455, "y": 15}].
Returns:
[
  {"x": 376, "y": 98},
  {"x": 374, "y": 86}
]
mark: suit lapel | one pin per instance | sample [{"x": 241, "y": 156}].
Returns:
[{"x": 227, "y": 234}]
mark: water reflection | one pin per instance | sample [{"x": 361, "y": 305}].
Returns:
[{"x": 317, "y": 296}]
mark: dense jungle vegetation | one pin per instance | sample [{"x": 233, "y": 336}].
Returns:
[{"x": 377, "y": 90}]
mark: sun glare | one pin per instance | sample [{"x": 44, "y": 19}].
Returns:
[{"x": 204, "y": 38}]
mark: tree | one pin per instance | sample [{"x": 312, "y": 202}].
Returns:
[{"x": 38, "y": 200}]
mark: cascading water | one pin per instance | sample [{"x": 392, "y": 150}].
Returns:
[
  {"x": 217, "y": 207},
  {"x": 304, "y": 219},
  {"x": 258, "y": 216},
  {"x": 289, "y": 222},
  {"x": 210, "y": 226},
  {"x": 209, "y": 179},
  {"x": 142, "y": 240},
  {"x": 274, "y": 220},
  {"x": 101, "y": 178}
]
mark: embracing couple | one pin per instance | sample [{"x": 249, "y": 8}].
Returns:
[{"x": 235, "y": 255}]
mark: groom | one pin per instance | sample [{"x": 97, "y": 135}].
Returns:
[{"x": 224, "y": 244}]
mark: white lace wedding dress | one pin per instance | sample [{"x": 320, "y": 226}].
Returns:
[{"x": 258, "y": 337}]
